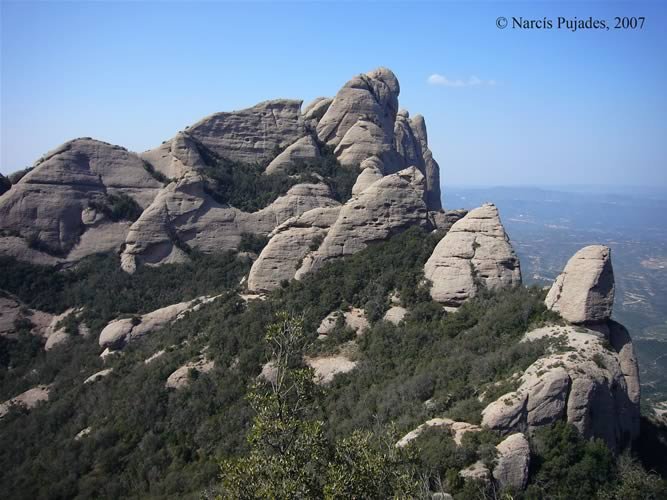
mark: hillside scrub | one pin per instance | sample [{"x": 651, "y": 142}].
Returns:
[{"x": 150, "y": 441}]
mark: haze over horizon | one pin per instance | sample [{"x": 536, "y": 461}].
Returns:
[{"x": 503, "y": 107}]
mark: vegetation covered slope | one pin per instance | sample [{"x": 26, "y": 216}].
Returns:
[{"x": 146, "y": 440}]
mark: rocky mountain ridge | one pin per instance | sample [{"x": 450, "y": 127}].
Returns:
[{"x": 172, "y": 203}]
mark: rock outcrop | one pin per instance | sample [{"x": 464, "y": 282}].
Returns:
[
  {"x": 584, "y": 291},
  {"x": 513, "y": 462},
  {"x": 49, "y": 205},
  {"x": 387, "y": 207},
  {"x": 395, "y": 314},
  {"x": 371, "y": 171},
  {"x": 176, "y": 157},
  {"x": 456, "y": 429},
  {"x": 327, "y": 367},
  {"x": 289, "y": 244},
  {"x": 591, "y": 381},
  {"x": 591, "y": 377},
  {"x": 119, "y": 332},
  {"x": 27, "y": 400},
  {"x": 314, "y": 111},
  {"x": 373, "y": 95},
  {"x": 431, "y": 167},
  {"x": 56, "y": 213},
  {"x": 354, "y": 319},
  {"x": 184, "y": 216},
  {"x": 96, "y": 377},
  {"x": 181, "y": 378},
  {"x": 475, "y": 253}
]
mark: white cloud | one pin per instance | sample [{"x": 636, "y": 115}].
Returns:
[{"x": 443, "y": 81}]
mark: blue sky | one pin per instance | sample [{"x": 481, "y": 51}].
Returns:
[{"x": 506, "y": 107}]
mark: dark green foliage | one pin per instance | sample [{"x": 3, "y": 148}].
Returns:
[
  {"x": 158, "y": 176},
  {"x": 290, "y": 456},
  {"x": 5, "y": 184},
  {"x": 252, "y": 243},
  {"x": 19, "y": 174},
  {"x": 340, "y": 179},
  {"x": 248, "y": 188},
  {"x": 117, "y": 207},
  {"x": 565, "y": 465},
  {"x": 99, "y": 286},
  {"x": 149, "y": 441}
]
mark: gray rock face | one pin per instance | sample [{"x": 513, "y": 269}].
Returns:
[
  {"x": 591, "y": 386},
  {"x": 303, "y": 150},
  {"x": 388, "y": 206},
  {"x": 365, "y": 139},
  {"x": 183, "y": 214},
  {"x": 373, "y": 95},
  {"x": 176, "y": 157},
  {"x": 511, "y": 470},
  {"x": 431, "y": 167},
  {"x": 371, "y": 171},
  {"x": 475, "y": 253},
  {"x": 407, "y": 143},
  {"x": 251, "y": 135},
  {"x": 49, "y": 202},
  {"x": 584, "y": 292},
  {"x": 288, "y": 245},
  {"x": 314, "y": 111}
]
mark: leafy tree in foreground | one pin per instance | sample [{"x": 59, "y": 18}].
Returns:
[{"x": 290, "y": 456}]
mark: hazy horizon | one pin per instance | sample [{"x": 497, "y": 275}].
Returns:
[{"x": 503, "y": 107}]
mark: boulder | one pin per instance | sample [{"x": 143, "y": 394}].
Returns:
[
  {"x": 327, "y": 367},
  {"x": 181, "y": 378},
  {"x": 395, "y": 314},
  {"x": 251, "y": 135},
  {"x": 119, "y": 332},
  {"x": 371, "y": 171},
  {"x": 27, "y": 400},
  {"x": 95, "y": 377},
  {"x": 373, "y": 95},
  {"x": 513, "y": 462},
  {"x": 302, "y": 151},
  {"x": 355, "y": 319},
  {"x": 475, "y": 253},
  {"x": 476, "y": 472},
  {"x": 456, "y": 429},
  {"x": 592, "y": 382},
  {"x": 584, "y": 291},
  {"x": 48, "y": 205},
  {"x": 388, "y": 206}
]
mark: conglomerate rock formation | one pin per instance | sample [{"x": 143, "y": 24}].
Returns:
[{"x": 61, "y": 210}]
